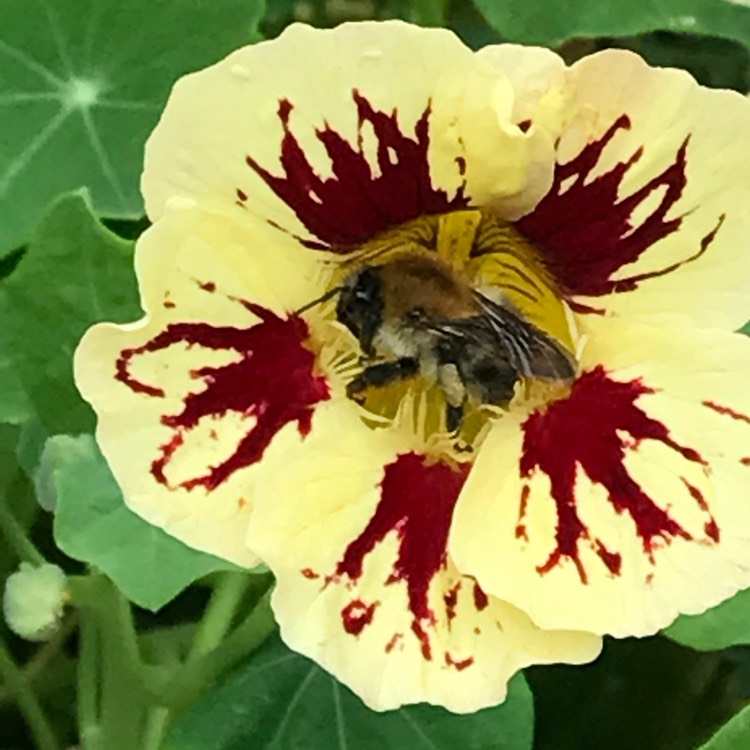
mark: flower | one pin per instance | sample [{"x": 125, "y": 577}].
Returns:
[
  {"x": 33, "y": 600},
  {"x": 607, "y": 202}
]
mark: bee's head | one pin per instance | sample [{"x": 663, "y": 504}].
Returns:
[{"x": 360, "y": 307}]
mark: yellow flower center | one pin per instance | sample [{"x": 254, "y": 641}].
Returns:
[{"x": 431, "y": 266}]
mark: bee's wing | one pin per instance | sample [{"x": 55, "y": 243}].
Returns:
[{"x": 530, "y": 351}]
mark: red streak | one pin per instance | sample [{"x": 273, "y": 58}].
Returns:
[
  {"x": 272, "y": 381},
  {"x": 309, "y": 573},
  {"x": 356, "y": 616},
  {"x": 480, "y": 598},
  {"x": 712, "y": 530},
  {"x": 584, "y": 229},
  {"x": 590, "y": 430},
  {"x": 423, "y": 638},
  {"x": 416, "y": 503},
  {"x": 613, "y": 560},
  {"x": 122, "y": 373},
  {"x": 354, "y": 204},
  {"x": 521, "y": 526},
  {"x": 745, "y": 461},
  {"x": 726, "y": 411},
  {"x": 451, "y": 600},
  {"x": 392, "y": 643},
  {"x": 458, "y": 665}
]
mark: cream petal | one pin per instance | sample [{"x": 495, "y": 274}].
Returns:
[
  {"x": 626, "y": 503},
  {"x": 354, "y": 526},
  {"x": 191, "y": 396},
  {"x": 537, "y": 76},
  {"x": 413, "y": 123},
  {"x": 648, "y": 213}
]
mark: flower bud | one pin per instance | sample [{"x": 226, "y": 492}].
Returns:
[{"x": 33, "y": 600}]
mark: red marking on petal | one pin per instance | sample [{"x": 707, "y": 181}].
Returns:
[
  {"x": 416, "y": 503},
  {"x": 584, "y": 229},
  {"x": 392, "y": 643},
  {"x": 355, "y": 203},
  {"x": 167, "y": 451},
  {"x": 480, "y": 598},
  {"x": 697, "y": 495},
  {"x": 272, "y": 381},
  {"x": 122, "y": 373},
  {"x": 458, "y": 665},
  {"x": 726, "y": 411},
  {"x": 309, "y": 573},
  {"x": 207, "y": 286},
  {"x": 524, "y": 125},
  {"x": 357, "y": 615},
  {"x": 169, "y": 304},
  {"x": 423, "y": 638},
  {"x": 585, "y": 309},
  {"x": 451, "y": 600},
  {"x": 613, "y": 560},
  {"x": 712, "y": 530},
  {"x": 241, "y": 195},
  {"x": 589, "y": 430},
  {"x": 520, "y": 526},
  {"x": 745, "y": 461}
]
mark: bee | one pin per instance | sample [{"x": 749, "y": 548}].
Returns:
[{"x": 414, "y": 316}]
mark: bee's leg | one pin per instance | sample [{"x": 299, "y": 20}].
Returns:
[
  {"x": 382, "y": 374},
  {"x": 454, "y": 417},
  {"x": 454, "y": 390}
]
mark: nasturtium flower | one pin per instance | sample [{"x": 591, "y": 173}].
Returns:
[{"x": 607, "y": 202}]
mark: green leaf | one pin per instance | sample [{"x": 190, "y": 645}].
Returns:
[
  {"x": 551, "y": 23},
  {"x": 734, "y": 735},
  {"x": 74, "y": 274},
  {"x": 713, "y": 61},
  {"x": 720, "y": 627},
  {"x": 15, "y": 406},
  {"x": 92, "y": 524},
  {"x": 279, "y": 699},
  {"x": 82, "y": 84}
]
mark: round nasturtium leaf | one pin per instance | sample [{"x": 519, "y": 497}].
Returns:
[
  {"x": 93, "y": 524},
  {"x": 551, "y": 23},
  {"x": 726, "y": 625},
  {"x": 82, "y": 83},
  {"x": 279, "y": 699},
  {"x": 74, "y": 274},
  {"x": 734, "y": 735}
]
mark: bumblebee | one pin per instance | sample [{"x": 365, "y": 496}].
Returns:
[{"x": 414, "y": 315}]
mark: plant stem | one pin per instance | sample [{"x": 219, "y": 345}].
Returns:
[
  {"x": 121, "y": 678},
  {"x": 28, "y": 703},
  {"x": 220, "y": 612},
  {"x": 16, "y": 537},
  {"x": 194, "y": 677},
  {"x": 87, "y": 688},
  {"x": 36, "y": 665},
  {"x": 156, "y": 724}
]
